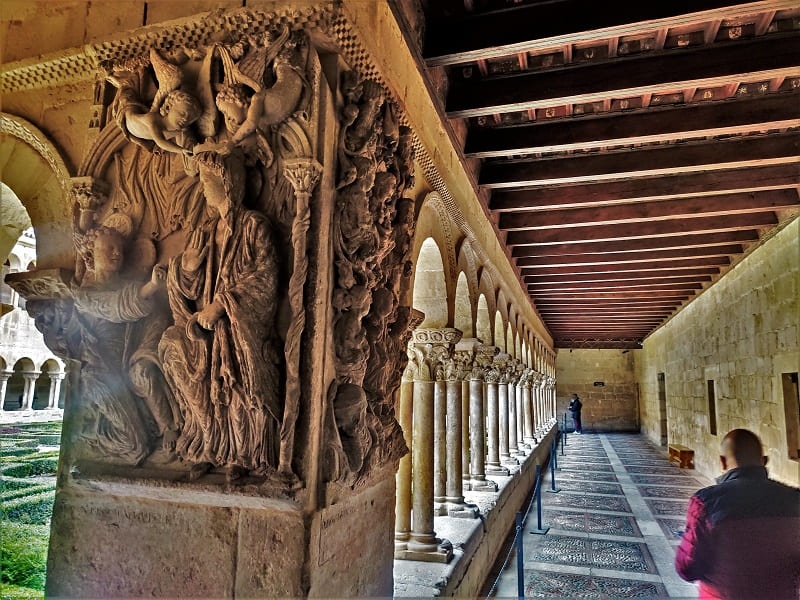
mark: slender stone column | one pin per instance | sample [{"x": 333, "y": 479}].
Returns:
[
  {"x": 527, "y": 406},
  {"x": 55, "y": 389},
  {"x": 493, "y": 375},
  {"x": 30, "y": 388},
  {"x": 464, "y": 359},
  {"x": 402, "y": 511},
  {"x": 465, "y": 437},
  {"x": 504, "y": 411},
  {"x": 513, "y": 414},
  {"x": 429, "y": 348},
  {"x": 439, "y": 441},
  {"x": 456, "y": 507},
  {"x": 477, "y": 422},
  {"x": 4, "y": 377}
]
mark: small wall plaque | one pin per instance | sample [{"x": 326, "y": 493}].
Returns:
[{"x": 599, "y": 383}]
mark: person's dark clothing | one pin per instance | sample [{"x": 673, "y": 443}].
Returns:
[
  {"x": 575, "y": 410},
  {"x": 742, "y": 538}
]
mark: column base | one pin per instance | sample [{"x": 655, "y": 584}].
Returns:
[
  {"x": 510, "y": 461},
  {"x": 438, "y": 551},
  {"x": 401, "y": 541},
  {"x": 482, "y": 485},
  {"x": 496, "y": 470},
  {"x": 440, "y": 509},
  {"x": 461, "y": 510}
]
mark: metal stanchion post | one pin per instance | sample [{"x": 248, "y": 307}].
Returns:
[
  {"x": 554, "y": 452},
  {"x": 564, "y": 437},
  {"x": 538, "y": 491},
  {"x": 520, "y": 561},
  {"x": 553, "y": 489}
]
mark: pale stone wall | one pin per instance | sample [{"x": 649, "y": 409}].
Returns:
[
  {"x": 742, "y": 333},
  {"x": 612, "y": 407}
]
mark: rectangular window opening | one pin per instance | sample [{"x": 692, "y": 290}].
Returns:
[
  {"x": 712, "y": 408},
  {"x": 791, "y": 407}
]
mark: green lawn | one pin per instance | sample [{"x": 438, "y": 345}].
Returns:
[{"x": 28, "y": 461}]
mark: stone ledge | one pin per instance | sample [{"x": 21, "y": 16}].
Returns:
[{"x": 476, "y": 542}]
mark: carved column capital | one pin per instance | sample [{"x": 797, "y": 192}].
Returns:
[
  {"x": 5, "y": 375},
  {"x": 89, "y": 194},
  {"x": 428, "y": 351},
  {"x": 303, "y": 174},
  {"x": 56, "y": 376},
  {"x": 31, "y": 375}
]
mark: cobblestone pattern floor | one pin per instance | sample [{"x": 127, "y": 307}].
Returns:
[{"x": 614, "y": 524}]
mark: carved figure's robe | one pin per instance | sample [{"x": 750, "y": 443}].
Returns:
[
  {"x": 227, "y": 381},
  {"x": 95, "y": 332}
]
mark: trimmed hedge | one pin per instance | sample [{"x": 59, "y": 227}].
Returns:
[
  {"x": 36, "y": 489},
  {"x": 15, "y": 592},
  {"x": 35, "y": 510},
  {"x": 5, "y": 452},
  {"x": 35, "y": 466},
  {"x": 23, "y": 557},
  {"x": 7, "y": 484}
]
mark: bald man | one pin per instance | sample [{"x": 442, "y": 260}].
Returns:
[{"x": 742, "y": 538}]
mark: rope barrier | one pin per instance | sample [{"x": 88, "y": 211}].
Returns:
[{"x": 521, "y": 518}]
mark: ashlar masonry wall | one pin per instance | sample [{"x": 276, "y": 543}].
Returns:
[
  {"x": 610, "y": 407},
  {"x": 742, "y": 334}
]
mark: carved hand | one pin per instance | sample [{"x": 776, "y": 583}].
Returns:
[
  {"x": 195, "y": 252},
  {"x": 157, "y": 281},
  {"x": 209, "y": 316}
]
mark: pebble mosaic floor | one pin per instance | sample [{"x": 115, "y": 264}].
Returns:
[{"x": 614, "y": 525}]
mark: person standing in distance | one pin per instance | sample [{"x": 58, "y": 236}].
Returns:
[
  {"x": 742, "y": 537},
  {"x": 575, "y": 406}
]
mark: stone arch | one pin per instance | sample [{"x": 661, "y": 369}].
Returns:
[
  {"x": 52, "y": 365},
  {"x": 430, "y": 285},
  {"x": 510, "y": 347},
  {"x": 35, "y": 171},
  {"x": 483, "y": 324},
  {"x": 463, "y": 311},
  {"x": 433, "y": 223},
  {"x": 499, "y": 331}
]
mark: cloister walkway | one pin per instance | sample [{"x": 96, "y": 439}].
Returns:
[{"x": 614, "y": 525}]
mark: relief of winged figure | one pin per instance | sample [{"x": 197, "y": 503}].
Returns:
[
  {"x": 255, "y": 97},
  {"x": 166, "y": 121}
]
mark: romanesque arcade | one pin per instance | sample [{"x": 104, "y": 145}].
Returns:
[{"x": 478, "y": 394}]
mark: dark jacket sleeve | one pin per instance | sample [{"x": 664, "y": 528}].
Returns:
[{"x": 693, "y": 552}]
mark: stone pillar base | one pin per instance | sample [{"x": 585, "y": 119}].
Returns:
[
  {"x": 496, "y": 470},
  {"x": 462, "y": 510},
  {"x": 117, "y": 537},
  {"x": 441, "y": 552},
  {"x": 483, "y": 485}
]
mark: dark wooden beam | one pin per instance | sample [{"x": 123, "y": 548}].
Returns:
[
  {"x": 453, "y": 40},
  {"x": 642, "y": 230},
  {"x": 725, "y": 204},
  {"x": 625, "y": 275},
  {"x": 665, "y": 259},
  {"x": 605, "y": 304},
  {"x": 650, "y": 188},
  {"x": 565, "y": 343},
  {"x": 601, "y": 295},
  {"x": 648, "y": 284},
  {"x": 664, "y": 160},
  {"x": 661, "y": 124},
  {"x": 762, "y": 58},
  {"x": 620, "y": 267},
  {"x": 623, "y": 247}
]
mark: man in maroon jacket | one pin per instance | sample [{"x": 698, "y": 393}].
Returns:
[{"x": 742, "y": 537}]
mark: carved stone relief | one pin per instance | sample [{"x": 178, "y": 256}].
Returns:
[
  {"x": 186, "y": 308},
  {"x": 372, "y": 232}
]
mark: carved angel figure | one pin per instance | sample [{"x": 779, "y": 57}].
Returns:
[
  {"x": 167, "y": 120},
  {"x": 254, "y": 96},
  {"x": 221, "y": 356}
]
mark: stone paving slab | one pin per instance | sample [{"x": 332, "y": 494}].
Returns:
[
  {"x": 666, "y": 491},
  {"x": 585, "y": 476},
  {"x": 541, "y": 584},
  {"x": 623, "y": 556},
  {"x": 590, "y": 522},
  {"x": 590, "y": 487},
  {"x": 572, "y": 500},
  {"x": 676, "y": 508}
]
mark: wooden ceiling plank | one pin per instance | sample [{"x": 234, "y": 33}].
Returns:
[
  {"x": 622, "y": 267},
  {"x": 624, "y": 247},
  {"x": 707, "y": 66},
  {"x": 665, "y": 259},
  {"x": 540, "y": 26},
  {"x": 723, "y": 204},
  {"x": 678, "y": 275},
  {"x": 653, "y": 188},
  {"x": 725, "y": 117},
  {"x": 647, "y": 162},
  {"x": 645, "y": 229}
]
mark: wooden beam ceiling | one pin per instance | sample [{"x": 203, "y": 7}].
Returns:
[
  {"x": 631, "y": 153},
  {"x": 720, "y": 64}
]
